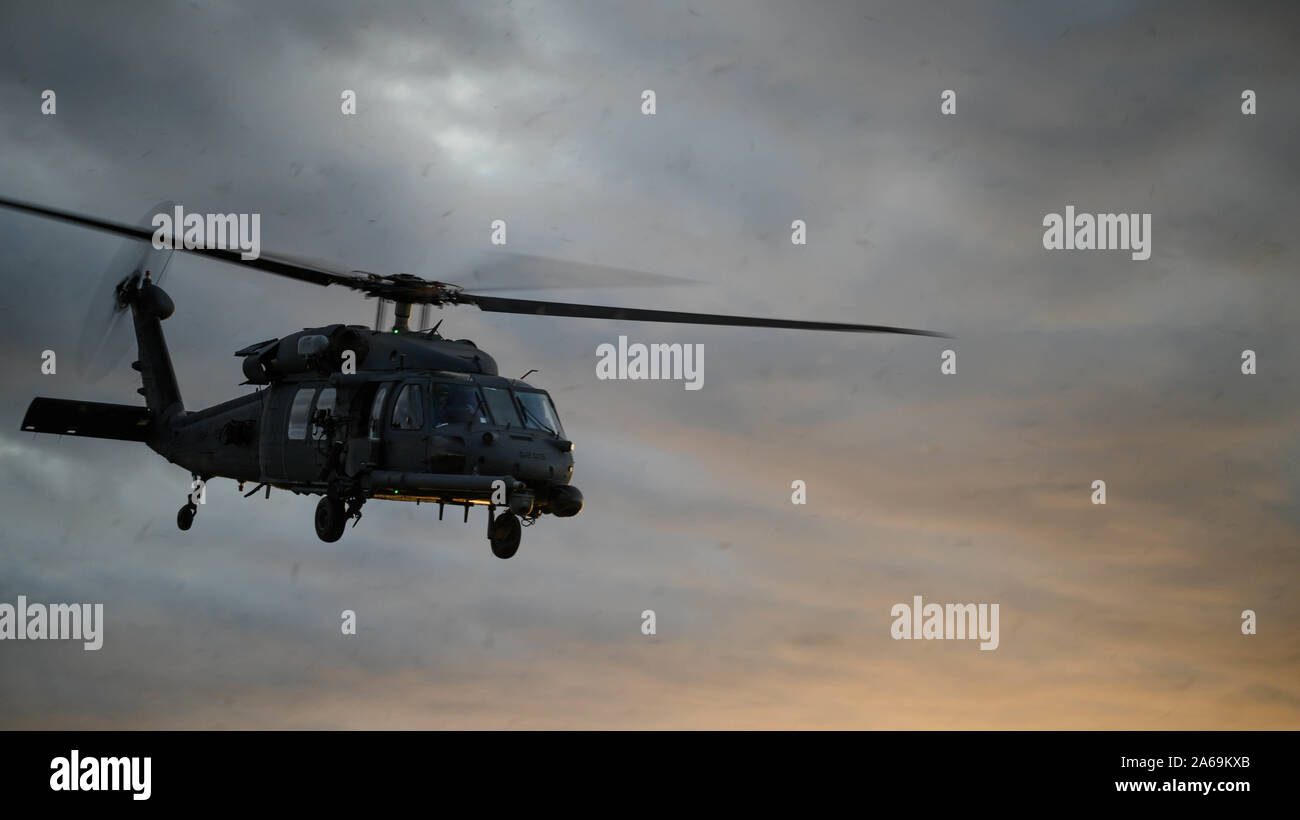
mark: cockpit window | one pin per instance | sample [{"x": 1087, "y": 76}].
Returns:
[
  {"x": 538, "y": 412},
  {"x": 503, "y": 409},
  {"x": 455, "y": 403},
  {"x": 408, "y": 410}
]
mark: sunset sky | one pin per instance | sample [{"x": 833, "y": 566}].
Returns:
[{"x": 1072, "y": 366}]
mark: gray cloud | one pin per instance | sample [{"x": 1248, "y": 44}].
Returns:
[{"x": 1072, "y": 366}]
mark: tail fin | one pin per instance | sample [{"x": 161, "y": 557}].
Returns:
[
  {"x": 149, "y": 306},
  {"x": 88, "y": 418}
]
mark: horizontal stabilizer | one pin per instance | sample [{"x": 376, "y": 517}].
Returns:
[{"x": 88, "y": 418}]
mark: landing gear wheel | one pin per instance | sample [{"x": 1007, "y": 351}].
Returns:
[
  {"x": 330, "y": 519},
  {"x": 504, "y": 535},
  {"x": 185, "y": 516}
]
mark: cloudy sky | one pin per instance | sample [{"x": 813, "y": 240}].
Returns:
[{"x": 972, "y": 487}]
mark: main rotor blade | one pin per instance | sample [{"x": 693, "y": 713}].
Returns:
[
  {"x": 531, "y": 307},
  {"x": 506, "y": 270},
  {"x": 279, "y": 265},
  {"x": 414, "y": 290}
]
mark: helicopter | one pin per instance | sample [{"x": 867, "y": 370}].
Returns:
[{"x": 349, "y": 412}]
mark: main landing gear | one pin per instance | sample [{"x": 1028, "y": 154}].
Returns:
[
  {"x": 330, "y": 519},
  {"x": 333, "y": 512},
  {"x": 504, "y": 532},
  {"x": 332, "y": 515}
]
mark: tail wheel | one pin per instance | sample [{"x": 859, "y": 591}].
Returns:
[
  {"x": 185, "y": 517},
  {"x": 504, "y": 535},
  {"x": 330, "y": 519}
]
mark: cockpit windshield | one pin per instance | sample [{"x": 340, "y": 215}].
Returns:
[
  {"x": 538, "y": 412},
  {"x": 502, "y": 406}
]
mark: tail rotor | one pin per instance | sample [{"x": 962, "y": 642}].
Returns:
[{"x": 106, "y": 329}]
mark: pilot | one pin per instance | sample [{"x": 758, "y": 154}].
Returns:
[
  {"x": 454, "y": 404},
  {"x": 463, "y": 406},
  {"x": 441, "y": 408}
]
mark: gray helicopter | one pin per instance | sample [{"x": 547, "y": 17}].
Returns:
[{"x": 350, "y": 412}]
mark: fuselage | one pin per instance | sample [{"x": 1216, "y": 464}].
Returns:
[{"x": 349, "y": 404}]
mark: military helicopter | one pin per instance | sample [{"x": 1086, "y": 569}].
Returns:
[{"x": 349, "y": 412}]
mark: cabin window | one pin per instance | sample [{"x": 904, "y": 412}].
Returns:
[
  {"x": 324, "y": 402},
  {"x": 503, "y": 410},
  {"x": 377, "y": 413},
  {"x": 299, "y": 411},
  {"x": 454, "y": 403},
  {"x": 408, "y": 410}
]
